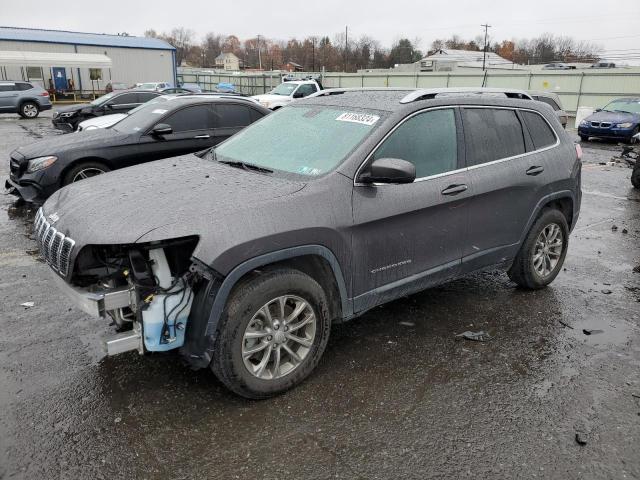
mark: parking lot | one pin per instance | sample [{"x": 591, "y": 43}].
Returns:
[{"x": 396, "y": 395}]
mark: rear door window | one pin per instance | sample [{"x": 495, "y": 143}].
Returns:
[
  {"x": 232, "y": 116},
  {"x": 145, "y": 97},
  {"x": 541, "y": 133},
  {"x": 125, "y": 99},
  {"x": 428, "y": 140},
  {"x": 196, "y": 117},
  {"x": 23, "y": 86},
  {"x": 491, "y": 134}
]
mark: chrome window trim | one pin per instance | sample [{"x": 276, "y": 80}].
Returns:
[{"x": 459, "y": 170}]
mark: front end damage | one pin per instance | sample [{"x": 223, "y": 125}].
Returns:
[{"x": 146, "y": 290}]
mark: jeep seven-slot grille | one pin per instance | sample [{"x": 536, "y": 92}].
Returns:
[{"x": 54, "y": 246}]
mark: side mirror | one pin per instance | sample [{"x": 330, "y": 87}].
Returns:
[
  {"x": 161, "y": 129},
  {"x": 388, "y": 170},
  {"x": 598, "y": 109}
]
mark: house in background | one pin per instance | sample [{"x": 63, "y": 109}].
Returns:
[
  {"x": 227, "y": 61},
  {"x": 448, "y": 60},
  {"x": 292, "y": 67}
]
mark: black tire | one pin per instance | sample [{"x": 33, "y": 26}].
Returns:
[
  {"x": 522, "y": 270},
  {"x": 632, "y": 140},
  {"x": 245, "y": 300},
  {"x": 635, "y": 175},
  {"x": 29, "y": 110},
  {"x": 89, "y": 166},
  {"x": 584, "y": 138}
]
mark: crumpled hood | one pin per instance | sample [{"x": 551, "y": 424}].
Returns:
[
  {"x": 59, "y": 144},
  {"x": 613, "y": 117},
  {"x": 170, "y": 198},
  {"x": 71, "y": 108},
  {"x": 266, "y": 98}
]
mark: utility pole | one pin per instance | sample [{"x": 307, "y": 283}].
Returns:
[
  {"x": 484, "y": 56},
  {"x": 346, "y": 46},
  {"x": 259, "y": 56},
  {"x": 313, "y": 54}
]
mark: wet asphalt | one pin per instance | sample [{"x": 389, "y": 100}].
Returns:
[{"x": 395, "y": 396}]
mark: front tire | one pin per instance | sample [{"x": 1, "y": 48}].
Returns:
[
  {"x": 584, "y": 138},
  {"x": 84, "y": 170},
  {"x": 632, "y": 139},
  {"x": 272, "y": 333},
  {"x": 543, "y": 251},
  {"x": 29, "y": 110}
]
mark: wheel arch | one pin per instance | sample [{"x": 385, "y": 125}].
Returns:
[
  {"x": 80, "y": 160},
  {"x": 562, "y": 200}
]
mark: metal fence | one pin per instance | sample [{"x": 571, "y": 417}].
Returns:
[{"x": 588, "y": 88}]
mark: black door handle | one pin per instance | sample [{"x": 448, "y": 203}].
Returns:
[
  {"x": 535, "y": 170},
  {"x": 454, "y": 189}
]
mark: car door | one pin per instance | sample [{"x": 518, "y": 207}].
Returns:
[
  {"x": 230, "y": 118},
  {"x": 409, "y": 236},
  {"x": 507, "y": 177},
  {"x": 8, "y": 96},
  {"x": 192, "y": 127}
]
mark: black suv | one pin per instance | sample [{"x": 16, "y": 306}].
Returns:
[
  {"x": 67, "y": 118},
  {"x": 243, "y": 258},
  {"x": 164, "y": 127}
]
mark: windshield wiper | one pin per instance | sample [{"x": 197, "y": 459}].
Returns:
[{"x": 245, "y": 166}]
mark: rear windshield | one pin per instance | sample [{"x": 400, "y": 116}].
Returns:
[{"x": 305, "y": 140}]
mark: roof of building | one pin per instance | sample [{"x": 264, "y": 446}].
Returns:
[
  {"x": 19, "y": 34},
  {"x": 224, "y": 55},
  {"x": 452, "y": 55}
]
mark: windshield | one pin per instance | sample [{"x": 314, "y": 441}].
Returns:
[
  {"x": 306, "y": 140},
  {"x": 284, "y": 89},
  {"x": 629, "y": 106},
  {"x": 142, "y": 117},
  {"x": 102, "y": 99}
]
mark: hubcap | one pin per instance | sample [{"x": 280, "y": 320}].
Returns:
[
  {"x": 279, "y": 337},
  {"x": 548, "y": 249},
  {"x": 30, "y": 110},
  {"x": 87, "y": 173}
]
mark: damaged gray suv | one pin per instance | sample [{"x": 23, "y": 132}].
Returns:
[{"x": 243, "y": 256}]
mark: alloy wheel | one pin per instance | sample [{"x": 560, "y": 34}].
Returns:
[
  {"x": 86, "y": 173},
  {"x": 548, "y": 250},
  {"x": 30, "y": 110},
  {"x": 279, "y": 337}
]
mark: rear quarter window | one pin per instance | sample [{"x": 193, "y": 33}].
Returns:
[{"x": 541, "y": 133}]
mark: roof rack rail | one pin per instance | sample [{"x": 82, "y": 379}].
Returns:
[
  {"x": 339, "y": 91},
  {"x": 431, "y": 93}
]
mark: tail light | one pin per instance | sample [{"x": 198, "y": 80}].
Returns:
[
  {"x": 44, "y": 94},
  {"x": 579, "y": 151}
]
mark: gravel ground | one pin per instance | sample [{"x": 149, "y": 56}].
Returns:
[{"x": 395, "y": 396}]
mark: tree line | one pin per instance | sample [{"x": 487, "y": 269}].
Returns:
[{"x": 349, "y": 54}]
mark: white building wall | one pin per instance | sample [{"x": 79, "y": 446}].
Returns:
[{"x": 130, "y": 65}]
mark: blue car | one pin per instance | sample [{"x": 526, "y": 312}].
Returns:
[{"x": 619, "y": 120}]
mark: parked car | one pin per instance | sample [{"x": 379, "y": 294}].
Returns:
[
  {"x": 553, "y": 100},
  {"x": 154, "y": 86},
  {"x": 603, "y": 65},
  {"x": 558, "y": 66},
  {"x": 287, "y": 92},
  {"x": 175, "y": 127},
  {"x": 115, "y": 87},
  {"x": 23, "y": 98},
  {"x": 67, "y": 118},
  {"x": 618, "y": 120},
  {"x": 243, "y": 256},
  {"x": 185, "y": 88}
]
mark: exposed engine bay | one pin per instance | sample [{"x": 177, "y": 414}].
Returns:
[{"x": 149, "y": 291}]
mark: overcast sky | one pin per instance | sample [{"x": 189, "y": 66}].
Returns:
[{"x": 613, "y": 24}]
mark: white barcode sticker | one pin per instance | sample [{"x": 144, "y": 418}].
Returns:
[{"x": 362, "y": 118}]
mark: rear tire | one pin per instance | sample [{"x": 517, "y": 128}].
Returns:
[
  {"x": 29, "y": 110},
  {"x": 635, "y": 175},
  {"x": 539, "y": 261},
  {"x": 84, "y": 170},
  {"x": 253, "y": 321}
]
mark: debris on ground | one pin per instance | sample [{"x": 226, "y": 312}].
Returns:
[
  {"x": 635, "y": 395},
  {"x": 614, "y": 228},
  {"x": 408, "y": 324},
  {"x": 479, "y": 336},
  {"x": 625, "y": 231},
  {"x": 589, "y": 331},
  {"x": 564, "y": 324},
  {"x": 581, "y": 438},
  {"x": 27, "y": 304},
  {"x": 606, "y": 291}
]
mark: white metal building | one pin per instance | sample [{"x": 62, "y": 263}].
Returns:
[{"x": 81, "y": 56}]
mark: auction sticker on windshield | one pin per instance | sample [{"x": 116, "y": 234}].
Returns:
[{"x": 362, "y": 118}]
